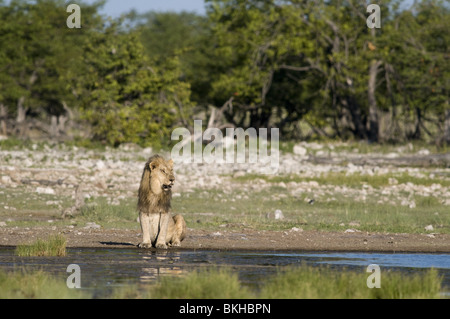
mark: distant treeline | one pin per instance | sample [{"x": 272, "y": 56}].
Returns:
[{"x": 313, "y": 69}]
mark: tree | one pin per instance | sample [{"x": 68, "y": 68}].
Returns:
[
  {"x": 39, "y": 56},
  {"x": 125, "y": 97}
]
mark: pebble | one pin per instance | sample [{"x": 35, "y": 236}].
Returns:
[
  {"x": 277, "y": 215},
  {"x": 351, "y": 230}
]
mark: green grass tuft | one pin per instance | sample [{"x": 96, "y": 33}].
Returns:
[
  {"x": 53, "y": 246},
  {"x": 35, "y": 285}
]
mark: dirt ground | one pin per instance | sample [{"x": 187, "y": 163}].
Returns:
[
  {"x": 50, "y": 177},
  {"x": 242, "y": 239}
]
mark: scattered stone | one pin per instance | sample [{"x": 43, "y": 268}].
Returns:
[
  {"x": 429, "y": 228},
  {"x": 101, "y": 184},
  {"x": 239, "y": 174},
  {"x": 147, "y": 151},
  {"x": 278, "y": 214},
  {"x": 2, "y": 224},
  {"x": 392, "y": 181},
  {"x": 300, "y": 150},
  {"x": 45, "y": 190},
  {"x": 352, "y": 230},
  {"x": 354, "y": 224},
  {"x": 424, "y": 152},
  {"x": 92, "y": 225},
  {"x": 6, "y": 180},
  {"x": 100, "y": 165},
  {"x": 296, "y": 229}
]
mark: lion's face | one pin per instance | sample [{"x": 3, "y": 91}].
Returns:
[{"x": 162, "y": 176}]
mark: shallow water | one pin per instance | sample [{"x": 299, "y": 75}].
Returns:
[{"x": 102, "y": 269}]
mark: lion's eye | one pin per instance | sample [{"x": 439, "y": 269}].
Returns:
[{"x": 163, "y": 170}]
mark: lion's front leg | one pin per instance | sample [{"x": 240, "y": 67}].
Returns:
[
  {"x": 164, "y": 223},
  {"x": 145, "y": 226}
]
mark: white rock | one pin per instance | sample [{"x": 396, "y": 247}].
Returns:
[
  {"x": 91, "y": 225},
  {"x": 429, "y": 228},
  {"x": 278, "y": 214},
  {"x": 45, "y": 190},
  {"x": 423, "y": 152},
  {"x": 295, "y": 229},
  {"x": 6, "y": 180},
  {"x": 100, "y": 165},
  {"x": 300, "y": 150},
  {"x": 147, "y": 151},
  {"x": 27, "y": 162},
  {"x": 392, "y": 181},
  {"x": 351, "y": 230}
]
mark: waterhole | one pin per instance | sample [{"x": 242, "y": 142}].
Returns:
[{"x": 103, "y": 269}]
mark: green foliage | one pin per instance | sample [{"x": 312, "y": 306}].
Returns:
[
  {"x": 297, "y": 65},
  {"x": 39, "y": 55},
  {"x": 125, "y": 98}
]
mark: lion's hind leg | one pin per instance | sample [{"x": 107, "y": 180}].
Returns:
[{"x": 179, "y": 230}]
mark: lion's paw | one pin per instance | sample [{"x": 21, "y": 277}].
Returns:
[
  {"x": 161, "y": 246},
  {"x": 145, "y": 245},
  {"x": 176, "y": 244}
]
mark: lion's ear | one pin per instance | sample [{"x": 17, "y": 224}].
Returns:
[
  {"x": 170, "y": 162},
  {"x": 152, "y": 165}
]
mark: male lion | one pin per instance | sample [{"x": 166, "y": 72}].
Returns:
[{"x": 155, "y": 192}]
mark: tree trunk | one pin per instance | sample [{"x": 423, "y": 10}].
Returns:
[
  {"x": 54, "y": 126},
  {"x": 417, "y": 132},
  {"x": 374, "y": 129},
  {"x": 356, "y": 118},
  {"x": 447, "y": 127},
  {"x": 21, "y": 116},
  {"x": 62, "y": 124},
  {"x": 3, "y": 116}
]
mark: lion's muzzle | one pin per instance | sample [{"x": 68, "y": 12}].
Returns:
[{"x": 167, "y": 187}]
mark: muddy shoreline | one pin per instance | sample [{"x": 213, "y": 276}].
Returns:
[{"x": 242, "y": 239}]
